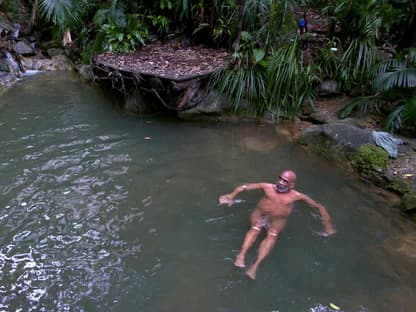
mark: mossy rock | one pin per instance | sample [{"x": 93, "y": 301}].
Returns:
[
  {"x": 370, "y": 158},
  {"x": 409, "y": 202},
  {"x": 400, "y": 186}
]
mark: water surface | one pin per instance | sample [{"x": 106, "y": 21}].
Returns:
[{"x": 102, "y": 211}]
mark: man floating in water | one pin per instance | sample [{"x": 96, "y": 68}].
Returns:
[{"x": 272, "y": 211}]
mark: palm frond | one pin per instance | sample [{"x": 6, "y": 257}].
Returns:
[
  {"x": 399, "y": 76},
  {"x": 396, "y": 73},
  {"x": 289, "y": 83},
  {"x": 362, "y": 103},
  {"x": 409, "y": 112},
  {"x": 403, "y": 114},
  {"x": 357, "y": 62},
  {"x": 61, "y": 12},
  {"x": 242, "y": 85},
  {"x": 394, "y": 120},
  {"x": 411, "y": 56}
]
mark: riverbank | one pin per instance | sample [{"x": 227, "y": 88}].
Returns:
[{"x": 342, "y": 141}]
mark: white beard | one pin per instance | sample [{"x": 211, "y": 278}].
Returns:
[{"x": 282, "y": 188}]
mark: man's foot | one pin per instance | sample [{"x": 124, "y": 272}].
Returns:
[
  {"x": 239, "y": 262},
  {"x": 251, "y": 272}
]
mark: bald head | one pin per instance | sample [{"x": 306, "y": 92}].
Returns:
[
  {"x": 289, "y": 175},
  {"x": 286, "y": 181}
]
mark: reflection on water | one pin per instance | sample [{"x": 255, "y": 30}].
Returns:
[{"x": 100, "y": 212}]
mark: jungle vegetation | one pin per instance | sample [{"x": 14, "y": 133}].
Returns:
[{"x": 367, "y": 46}]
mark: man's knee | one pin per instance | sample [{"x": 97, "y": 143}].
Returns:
[
  {"x": 256, "y": 228},
  {"x": 273, "y": 234}
]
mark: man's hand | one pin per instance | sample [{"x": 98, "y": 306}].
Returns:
[
  {"x": 330, "y": 231},
  {"x": 226, "y": 200}
]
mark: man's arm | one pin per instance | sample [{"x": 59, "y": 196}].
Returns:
[
  {"x": 229, "y": 198},
  {"x": 325, "y": 217}
]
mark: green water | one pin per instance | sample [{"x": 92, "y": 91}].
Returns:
[{"x": 102, "y": 211}]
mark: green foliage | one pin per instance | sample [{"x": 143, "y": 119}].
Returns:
[
  {"x": 361, "y": 56},
  {"x": 328, "y": 59},
  {"x": 403, "y": 115},
  {"x": 355, "y": 16},
  {"x": 393, "y": 13},
  {"x": 166, "y": 4},
  {"x": 362, "y": 103},
  {"x": 370, "y": 158},
  {"x": 396, "y": 73},
  {"x": 269, "y": 20},
  {"x": 244, "y": 86},
  {"x": 88, "y": 47},
  {"x": 223, "y": 23},
  {"x": 161, "y": 24},
  {"x": 278, "y": 84},
  {"x": 245, "y": 82},
  {"x": 124, "y": 39},
  {"x": 392, "y": 75},
  {"x": 184, "y": 8},
  {"x": 11, "y": 7},
  {"x": 114, "y": 15},
  {"x": 289, "y": 82},
  {"x": 63, "y": 12}
]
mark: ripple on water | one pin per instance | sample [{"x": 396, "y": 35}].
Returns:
[{"x": 20, "y": 236}]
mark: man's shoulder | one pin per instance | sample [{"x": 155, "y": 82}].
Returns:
[{"x": 296, "y": 194}]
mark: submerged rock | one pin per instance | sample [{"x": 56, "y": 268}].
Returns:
[{"x": 258, "y": 144}]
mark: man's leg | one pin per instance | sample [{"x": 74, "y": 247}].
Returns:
[
  {"x": 264, "y": 249},
  {"x": 250, "y": 238}
]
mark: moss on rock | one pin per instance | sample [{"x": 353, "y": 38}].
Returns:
[
  {"x": 409, "y": 201},
  {"x": 370, "y": 158}
]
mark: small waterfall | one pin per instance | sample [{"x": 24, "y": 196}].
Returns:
[
  {"x": 15, "y": 33},
  {"x": 13, "y": 65}
]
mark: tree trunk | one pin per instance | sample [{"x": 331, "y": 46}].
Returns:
[
  {"x": 330, "y": 30},
  {"x": 67, "y": 39},
  {"x": 33, "y": 14}
]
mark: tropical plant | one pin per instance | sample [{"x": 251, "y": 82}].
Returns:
[
  {"x": 125, "y": 39},
  {"x": 64, "y": 14},
  {"x": 184, "y": 7},
  {"x": 12, "y": 7},
  {"x": 394, "y": 85},
  {"x": 289, "y": 81},
  {"x": 113, "y": 14},
  {"x": 327, "y": 59},
  {"x": 403, "y": 115},
  {"x": 360, "y": 57},
  {"x": 90, "y": 43},
  {"x": 245, "y": 83},
  {"x": 268, "y": 20},
  {"x": 331, "y": 10},
  {"x": 223, "y": 22},
  {"x": 399, "y": 74},
  {"x": 161, "y": 24}
]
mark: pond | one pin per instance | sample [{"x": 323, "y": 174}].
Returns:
[{"x": 103, "y": 211}]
